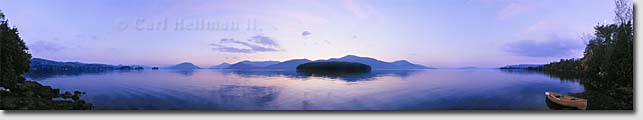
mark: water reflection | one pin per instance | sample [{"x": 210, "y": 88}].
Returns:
[
  {"x": 440, "y": 89},
  {"x": 521, "y": 71},
  {"x": 346, "y": 76},
  {"x": 184, "y": 72},
  {"x": 564, "y": 76},
  {"x": 223, "y": 97},
  {"x": 237, "y": 96},
  {"x": 44, "y": 74},
  {"x": 349, "y": 77}
]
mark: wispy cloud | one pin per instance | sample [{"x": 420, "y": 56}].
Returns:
[
  {"x": 552, "y": 47},
  {"x": 255, "y": 44},
  {"x": 263, "y": 40},
  {"x": 45, "y": 46}
]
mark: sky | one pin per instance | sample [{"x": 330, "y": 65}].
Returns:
[{"x": 437, "y": 33}]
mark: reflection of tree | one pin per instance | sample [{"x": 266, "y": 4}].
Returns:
[
  {"x": 573, "y": 76},
  {"x": 598, "y": 99},
  {"x": 522, "y": 71},
  {"x": 44, "y": 74}
]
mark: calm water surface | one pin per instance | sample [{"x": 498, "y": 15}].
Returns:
[{"x": 436, "y": 89}]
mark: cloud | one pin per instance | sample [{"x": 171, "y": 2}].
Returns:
[
  {"x": 552, "y": 47},
  {"x": 305, "y": 33},
  {"x": 45, "y": 46},
  {"x": 253, "y": 45},
  {"x": 263, "y": 40}
]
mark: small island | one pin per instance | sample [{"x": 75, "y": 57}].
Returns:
[{"x": 332, "y": 67}]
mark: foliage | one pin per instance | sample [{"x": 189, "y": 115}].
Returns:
[
  {"x": 19, "y": 94},
  {"x": 564, "y": 65},
  {"x": 607, "y": 65},
  {"x": 14, "y": 57}
]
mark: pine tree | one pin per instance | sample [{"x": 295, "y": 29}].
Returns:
[{"x": 14, "y": 57}]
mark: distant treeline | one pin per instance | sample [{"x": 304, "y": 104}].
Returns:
[
  {"x": 348, "y": 67},
  {"x": 38, "y": 64}
]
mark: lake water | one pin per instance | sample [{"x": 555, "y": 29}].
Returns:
[{"x": 434, "y": 89}]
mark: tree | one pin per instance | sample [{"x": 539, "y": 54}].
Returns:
[
  {"x": 623, "y": 11},
  {"x": 19, "y": 93},
  {"x": 14, "y": 57}
]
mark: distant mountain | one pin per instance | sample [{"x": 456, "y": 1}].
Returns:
[
  {"x": 292, "y": 64},
  {"x": 408, "y": 65},
  {"x": 185, "y": 65},
  {"x": 377, "y": 64},
  {"x": 242, "y": 66},
  {"x": 252, "y": 64},
  {"x": 523, "y": 66},
  {"x": 221, "y": 66},
  {"x": 259, "y": 63}
]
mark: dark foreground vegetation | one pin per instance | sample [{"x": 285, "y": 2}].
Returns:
[
  {"x": 606, "y": 69},
  {"x": 334, "y": 67},
  {"x": 17, "y": 93}
]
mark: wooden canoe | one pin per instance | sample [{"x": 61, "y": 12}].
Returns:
[{"x": 567, "y": 101}]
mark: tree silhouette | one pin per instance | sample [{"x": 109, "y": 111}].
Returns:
[
  {"x": 14, "y": 57},
  {"x": 18, "y": 93}
]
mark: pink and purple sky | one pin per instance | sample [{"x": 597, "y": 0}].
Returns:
[{"x": 438, "y": 33}]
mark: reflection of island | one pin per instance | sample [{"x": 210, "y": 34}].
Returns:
[
  {"x": 344, "y": 77},
  {"x": 237, "y": 95},
  {"x": 184, "y": 72}
]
